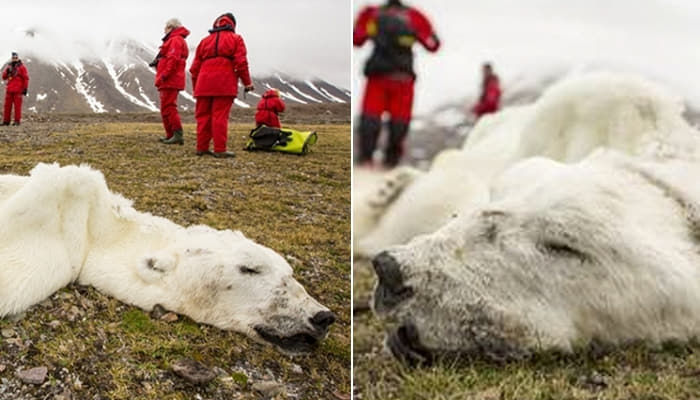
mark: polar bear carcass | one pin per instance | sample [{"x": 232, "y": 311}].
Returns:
[
  {"x": 61, "y": 225},
  {"x": 605, "y": 250},
  {"x": 569, "y": 121}
]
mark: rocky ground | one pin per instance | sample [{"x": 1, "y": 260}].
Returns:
[{"x": 81, "y": 344}]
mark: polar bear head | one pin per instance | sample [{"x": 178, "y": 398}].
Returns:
[
  {"x": 223, "y": 279},
  {"x": 606, "y": 250}
]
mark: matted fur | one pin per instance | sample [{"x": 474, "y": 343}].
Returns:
[
  {"x": 62, "y": 225},
  {"x": 604, "y": 250}
]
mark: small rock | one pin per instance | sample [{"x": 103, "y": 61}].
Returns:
[
  {"x": 34, "y": 376},
  {"x": 158, "y": 312},
  {"x": 269, "y": 388},
  {"x": 66, "y": 395},
  {"x": 593, "y": 381},
  {"x": 169, "y": 317},
  {"x": 2, "y": 367},
  {"x": 8, "y": 332},
  {"x": 297, "y": 369},
  {"x": 193, "y": 371},
  {"x": 54, "y": 324}
]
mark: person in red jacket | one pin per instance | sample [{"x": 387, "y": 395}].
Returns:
[
  {"x": 269, "y": 107},
  {"x": 15, "y": 73},
  {"x": 490, "y": 98},
  {"x": 170, "y": 78},
  {"x": 393, "y": 28},
  {"x": 219, "y": 62}
]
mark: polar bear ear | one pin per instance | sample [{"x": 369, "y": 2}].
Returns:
[{"x": 154, "y": 267}]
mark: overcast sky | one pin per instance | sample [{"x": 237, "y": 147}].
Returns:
[
  {"x": 523, "y": 38},
  {"x": 301, "y": 37}
]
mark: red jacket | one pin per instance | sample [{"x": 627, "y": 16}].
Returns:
[
  {"x": 220, "y": 60},
  {"x": 393, "y": 29},
  {"x": 269, "y": 107},
  {"x": 172, "y": 57},
  {"x": 490, "y": 97},
  {"x": 16, "y": 76}
]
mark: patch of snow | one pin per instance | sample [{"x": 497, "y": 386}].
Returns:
[
  {"x": 330, "y": 96},
  {"x": 41, "y": 96},
  {"x": 241, "y": 104},
  {"x": 323, "y": 92},
  {"x": 117, "y": 85},
  {"x": 83, "y": 89},
  {"x": 296, "y": 89}
]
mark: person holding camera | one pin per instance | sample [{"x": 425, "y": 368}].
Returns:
[
  {"x": 219, "y": 62},
  {"x": 17, "y": 77},
  {"x": 170, "y": 78}
]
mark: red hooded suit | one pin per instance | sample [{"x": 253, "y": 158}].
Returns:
[
  {"x": 268, "y": 109},
  {"x": 219, "y": 62},
  {"x": 170, "y": 77},
  {"x": 393, "y": 28},
  {"x": 15, "y": 73}
]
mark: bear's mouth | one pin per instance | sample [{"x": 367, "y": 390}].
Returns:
[
  {"x": 404, "y": 343},
  {"x": 298, "y": 343}
]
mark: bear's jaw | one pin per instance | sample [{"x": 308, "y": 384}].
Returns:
[{"x": 294, "y": 344}]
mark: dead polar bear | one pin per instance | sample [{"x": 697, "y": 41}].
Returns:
[
  {"x": 605, "y": 250},
  {"x": 570, "y": 120},
  {"x": 61, "y": 225}
]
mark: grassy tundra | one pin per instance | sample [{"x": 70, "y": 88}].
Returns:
[{"x": 96, "y": 347}]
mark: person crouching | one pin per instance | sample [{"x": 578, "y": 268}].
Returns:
[{"x": 269, "y": 107}]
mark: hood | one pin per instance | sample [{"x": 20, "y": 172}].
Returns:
[
  {"x": 180, "y": 30},
  {"x": 271, "y": 93},
  {"x": 224, "y": 22}
]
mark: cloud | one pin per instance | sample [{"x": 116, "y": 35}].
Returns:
[{"x": 307, "y": 38}]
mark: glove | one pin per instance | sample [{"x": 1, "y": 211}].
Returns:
[
  {"x": 24, "y": 92},
  {"x": 249, "y": 88}
]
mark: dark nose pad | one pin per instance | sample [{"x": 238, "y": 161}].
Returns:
[
  {"x": 390, "y": 289},
  {"x": 322, "y": 320}
]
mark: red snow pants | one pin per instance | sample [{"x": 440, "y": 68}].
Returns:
[
  {"x": 10, "y": 99},
  {"x": 211, "y": 114},
  {"x": 168, "y": 111},
  {"x": 384, "y": 93}
]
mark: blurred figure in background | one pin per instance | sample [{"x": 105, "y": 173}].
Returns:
[
  {"x": 15, "y": 73},
  {"x": 269, "y": 107},
  {"x": 490, "y": 98},
  {"x": 170, "y": 78},
  {"x": 393, "y": 28},
  {"x": 220, "y": 61}
]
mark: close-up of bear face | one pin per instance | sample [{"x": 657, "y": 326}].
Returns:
[
  {"x": 596, "y": 251},
  {"x": 223, "y": 279}
]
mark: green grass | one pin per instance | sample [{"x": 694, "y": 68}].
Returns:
[
  {"x": 102, "y": 348},
  {"x": 634, "y": 372}
]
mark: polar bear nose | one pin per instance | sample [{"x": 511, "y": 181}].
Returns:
[
  {"x": 322, "y": 320},
  {"x": 388, "y": 270},
  {"x": 391, "y": 289}
]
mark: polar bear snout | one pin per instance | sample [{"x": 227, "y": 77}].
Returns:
[
  {"x": 322, "y": 320},
  {"x": 390, "y": 290}
]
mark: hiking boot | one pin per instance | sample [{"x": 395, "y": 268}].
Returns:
[
  {"x": 16, "y": 123},
  {"x": 204, "y": 153},
  {"x": 163, "y": 139},
  {"x": 223, "y": 154},
  {"x": 6, "y": 123},
  {"x": 175, "y": 139}
]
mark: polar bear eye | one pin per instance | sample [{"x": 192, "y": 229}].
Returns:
[
  {"x": 562, "y": 250},
  {"x": 249, "y": 270}
]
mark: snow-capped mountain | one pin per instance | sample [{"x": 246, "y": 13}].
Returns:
[{"x": 123, "y": 82}]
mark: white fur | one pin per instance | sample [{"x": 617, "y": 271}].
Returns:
[
  {"x": 62, "y": 225},
  {"x": 499, "y": 281},
  {"x": 571, "y": 119}
]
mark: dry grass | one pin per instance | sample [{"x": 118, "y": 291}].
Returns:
[
  {"x": 101, "y": 348},
  {"x": 636, "y": 372}
]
